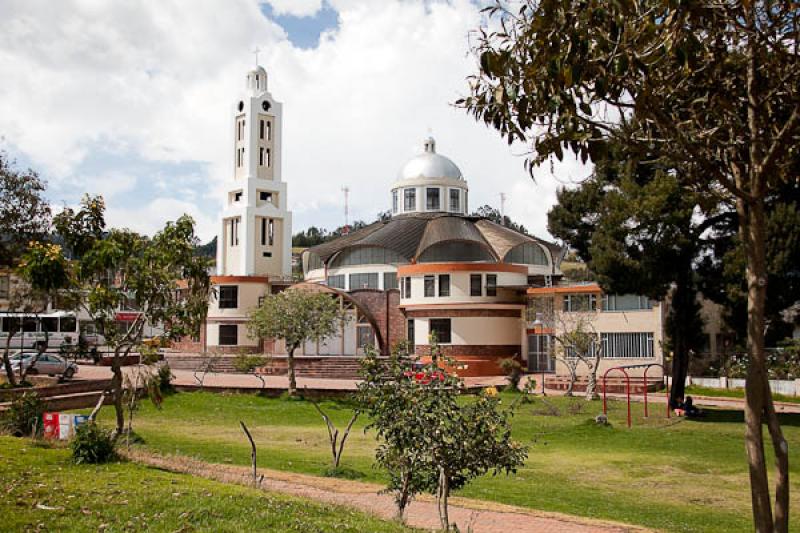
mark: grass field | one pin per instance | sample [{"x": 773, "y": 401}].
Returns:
[
  {"x": 44, "y": 491},
  {"x": 673, "y": 475},
  {"x": 734, "y": 393}
]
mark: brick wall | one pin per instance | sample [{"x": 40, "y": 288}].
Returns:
[{"x": 383, "y": 308}]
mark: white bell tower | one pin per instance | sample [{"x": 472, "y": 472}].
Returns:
[{"x": 256, "y": 228}]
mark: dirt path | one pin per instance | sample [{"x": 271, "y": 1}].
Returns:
[{"x": 480, "y": 516}]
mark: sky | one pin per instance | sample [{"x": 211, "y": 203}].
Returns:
[{"x": 135, "y": 101}]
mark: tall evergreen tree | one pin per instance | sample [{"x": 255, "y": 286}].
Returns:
[{"x": 635, "y": 228}]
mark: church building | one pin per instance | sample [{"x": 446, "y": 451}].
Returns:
[{"x": 485, "y": 292}]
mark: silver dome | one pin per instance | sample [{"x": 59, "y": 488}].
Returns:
[{"x": 429, "y": 164}]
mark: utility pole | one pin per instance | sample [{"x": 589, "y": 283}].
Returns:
[{"x": 346, "y": 191}]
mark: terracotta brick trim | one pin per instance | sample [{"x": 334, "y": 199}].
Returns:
[
  {"x": 476, "y": 350},
  {"x": 458, "y": 313},
  {"x": 239, "y": 279}
]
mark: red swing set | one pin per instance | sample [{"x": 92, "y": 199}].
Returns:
[{"x": 623, "y": 369}]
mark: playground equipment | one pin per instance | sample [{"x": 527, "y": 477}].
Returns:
[{"x": 623, "y": 369}]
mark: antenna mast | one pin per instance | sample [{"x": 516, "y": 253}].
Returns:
[
  {"x": 346, "y": 191},
  {"x": 502, "y": 206}
]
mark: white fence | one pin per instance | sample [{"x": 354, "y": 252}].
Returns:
[{"x": 787, "y": 387}]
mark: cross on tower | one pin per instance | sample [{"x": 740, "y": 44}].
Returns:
[{"x": 256, "y": 50}]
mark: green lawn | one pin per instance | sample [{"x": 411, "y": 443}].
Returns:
[
  {"x": 673, "y": 475},
  {"x": 734, "y": 393},
  {"x": 44, "y": 491}
]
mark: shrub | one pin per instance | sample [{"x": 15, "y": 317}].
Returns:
[
  {"x": 513, "y": 369},
  {"x": 165, "y": 379},
  {"x": 24, "y": 416},
  {"x": 92, "y": 444}
]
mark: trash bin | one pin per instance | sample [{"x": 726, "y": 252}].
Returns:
[
  {"x": 64, "y": 426},
  {"x": 50, "y": 425},
  {"x": 77, "y": 420}
]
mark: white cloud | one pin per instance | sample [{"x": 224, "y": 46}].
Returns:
[{"x": 158, "y": 79}]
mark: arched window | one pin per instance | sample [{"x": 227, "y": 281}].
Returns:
[
  {"x": 459, "y": 251},
  {"x": 527, "y": 254},
  {"x": 313, "y": 262},
  {"x": 367, "y": 255}
]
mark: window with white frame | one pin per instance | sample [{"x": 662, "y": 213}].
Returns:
[
  {"x": 430, "y": 286},
  {"x": 432, "y": 200},
  {"x": 389, "y": 280},
  {"x": 455, "y": 200},
  {"x": 627, "y": 345},
  {"x": 395, "y": 201},
  {"x": 626, "y": 302},
  {"x": 409, "y": 199},
  {"x": 364, "y": 281},
  {"x": 579, "y": 302},
  {"x": 444, "y": 285},
  {"x": 407, "y": 287},
  {"x": 337, "y": 282},
  {"x": 228, "y": 334},
  {"x": 441, "y": 328},
  {"x": 491, "y": 284},
  {"x": 475, "y": 285},
  {"x": 228, "y": 297}
]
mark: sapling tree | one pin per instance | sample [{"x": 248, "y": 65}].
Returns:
[
  {"x": 249, "y": 363},
  {"x": 120, "y": 267},
  {"x": 337, "y": 440},
  {"x": 430, "y": 437},
  {"x": 297, "y": 316}
]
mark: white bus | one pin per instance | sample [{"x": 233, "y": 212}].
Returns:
[{"x": 58, "y": 329}]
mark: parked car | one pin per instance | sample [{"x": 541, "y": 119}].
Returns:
[{"x": 49, "y": 364}]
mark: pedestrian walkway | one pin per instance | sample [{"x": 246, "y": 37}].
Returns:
[
  {"x": 470, "y": 515},
  {"x": 187, "y": 378}
]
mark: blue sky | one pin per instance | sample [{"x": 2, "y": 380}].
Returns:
[{"x": 135, "y": 102}]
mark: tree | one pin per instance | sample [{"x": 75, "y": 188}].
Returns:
[
  {"x": 125, "y": 267},
  {"x": 574, "y": 341},
  {"x": 24, "y": 212},
  {"x": 489, "y": 212},
  {"x": 43, "y": 272},
  {"x": 712, "y": 87},
  {"x": 430, "y": 438},
  {"x": 637, "y": 231},
  {"x": 296, "y": 316},
  {"x": 337, "y": 444}
]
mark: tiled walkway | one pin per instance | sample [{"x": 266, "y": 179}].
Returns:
[{"x": 469, "y": 515}]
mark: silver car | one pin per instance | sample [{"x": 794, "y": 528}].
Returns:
[{"x": 49, "y": 364}]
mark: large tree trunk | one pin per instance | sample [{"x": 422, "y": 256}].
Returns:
[
  {"x": 12, "y": 379},
  {"x": 682, "y": 305},
  {"x": 758, "y": 396},
  {"x": 290, "y": 372},
  {"x": 116, "y": 384}
]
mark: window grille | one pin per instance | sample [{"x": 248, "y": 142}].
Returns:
[
  {"x": 228, "y": 334},
  {"x": 627, "y": 345},
  {"x": 228, "y": 297}
]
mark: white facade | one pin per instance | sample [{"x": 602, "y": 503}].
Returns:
[{"x": 256, "y": 227}]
